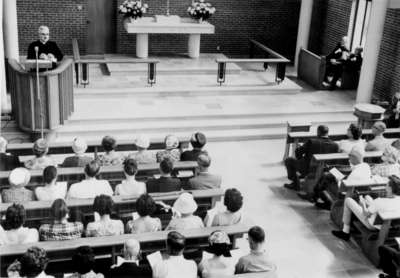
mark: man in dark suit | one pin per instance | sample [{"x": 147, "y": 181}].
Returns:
[
  {"x": 7, "y": 161},
  {"x": 304, "y": 154},
  {"x": 198, "y": 140},
  {"x": 165, "y": 183},
  {"x": 335, "y": 61},
  {"x": 48, "y": 50},
  {"x": 130, "y": 264},
  {"x": 204, "y": 180}
]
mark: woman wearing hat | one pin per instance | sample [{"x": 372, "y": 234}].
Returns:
[
  {"x": 171, "y": 149},
  {"x": 183, "y": 209},
  {"x": 143, "y": 156},
  {"x": 41, "y": 159},
  {"x": 390, "y": 165},
  {"x": 17, "y": 193},
  {"x": 79, "y": 147},
  {"x": 221, "y": 264},
  {"x": 110, "y": 157}
]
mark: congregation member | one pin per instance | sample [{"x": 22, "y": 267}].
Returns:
[
  {"x": 83, "y": 262},
  {"x": 52, "y": 189},
  {"x": 145, "y": 207},
  {"x": 165, "y": 183},
  {"x": 15, "y": 232},
  {"x": 110, "y": 156},
  {"x": 198, "y": 141},
  {"x": 60, "y": 228},
  {"x": 379, "y": 143},
  {"x": 354, "y": 134},
  {"x": 130, "y": 265},
  {"x": 171, "y": 149},
  {"x": 321, "y": 144},
  {"x": 367, "y": 209},
  {"x": 34, "y": 263},
  {"x": 7, "y": 161},
  {"x": 17, "y": 193},
  {"x": 183, "y": 209},
  {"x": 204, "y": 179},
  {"x": 41, "y": 159},
  {"x": 105, "y": 226},
  {"x": 257, "y": 260},
  {"x": 130, "y": 186},
  {"x": 79, "y": 146},
  {"x": 233, "y": 200},
  {"x": 335, "y": 61},
  {"x": 174, "y": 265},
  {"x": 91, "y": 186},
  {"x": 390, "y": 163},
  {"x": 47, "y": 50},
  {"x": 221, "y": 264},
  {"x": 143, "y": 156}
]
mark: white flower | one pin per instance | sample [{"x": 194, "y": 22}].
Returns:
[
  {"x": 124, "y": 10},
  {"x": 145, "y": 5}
]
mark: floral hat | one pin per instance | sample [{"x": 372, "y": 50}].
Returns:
[
  {"x": 142, "y": 141},
  {"x": 40, "y": 146},
  {"x": 19, "y": 177},
  {"x": 171, "y": 142},
  {"x": 79, "y": 145}
]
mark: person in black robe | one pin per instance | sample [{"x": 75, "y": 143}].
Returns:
[
  {"x": 335, "y": 61},
  {"x": 48, "y": 50}
]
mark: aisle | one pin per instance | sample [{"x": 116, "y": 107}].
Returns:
[{"x": 299, "y": 236}]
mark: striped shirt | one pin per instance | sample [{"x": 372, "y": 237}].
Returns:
[{"x": 60, "y": 231}]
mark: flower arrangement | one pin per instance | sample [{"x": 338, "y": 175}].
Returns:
[
  {"x": 133, "y": 9},
  {"x": 201, "y": 10}
]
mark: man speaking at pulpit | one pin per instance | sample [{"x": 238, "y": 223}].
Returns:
[{"x": 47, "y": 50}]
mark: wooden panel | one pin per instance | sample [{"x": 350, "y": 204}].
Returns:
[
  {"x": 53, "y": 101},
  {"x": 311, "y": 68}
]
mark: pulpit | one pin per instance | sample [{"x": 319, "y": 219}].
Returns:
[{"x": 56, "y": 96}]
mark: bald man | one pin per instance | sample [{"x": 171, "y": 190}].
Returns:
[
  {"x": 130, "y": 266},
  {"x": 48, "y": 50},
  {"x": 204, "y": 180}
]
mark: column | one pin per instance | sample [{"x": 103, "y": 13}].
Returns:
[
  {"x": 142, "y": 45},
  {"x": 3, "y": 96},
  {"x": 194, "y": 46},
  {"x": 10, "y": 30},
  {"x": 371, "y": 51},
  {"x": 303, "y": 31}
]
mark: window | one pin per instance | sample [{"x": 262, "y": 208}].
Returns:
[{"x": 359, "y": 19}]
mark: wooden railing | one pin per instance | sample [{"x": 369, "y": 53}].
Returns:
[{"x": 273, "y": 57}]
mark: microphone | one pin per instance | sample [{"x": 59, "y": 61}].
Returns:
[{"x": 37, "y": 52}]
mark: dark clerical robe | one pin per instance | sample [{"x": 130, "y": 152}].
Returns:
[{"x": 48, "y": 47}]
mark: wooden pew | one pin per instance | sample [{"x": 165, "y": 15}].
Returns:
[
  {"x": 295, "y": 138},
  {"x": 38, "y": 212},
  {"x": 114, "y": 174},
  {"x": 376, "y": 184},
  {"x": 94, "y": 146},
  {"x": 111, "y": 246}
]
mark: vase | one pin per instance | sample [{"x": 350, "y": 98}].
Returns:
[
  {"x": 134, "y": 19},
  {"x": 202, "y": 21}
]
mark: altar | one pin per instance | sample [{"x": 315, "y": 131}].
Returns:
[{"x": 144, "y": 26}]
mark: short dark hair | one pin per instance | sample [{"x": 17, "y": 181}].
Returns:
[
  {"x": 49, "y": 174},
  {"x": 108, "y": 143},
  {"x": 59, "y": 209},
  {"x": 15, "y": 216},
  {"x": 176, "y": 242},
  {"x": 92, "y": 168},
  {"x": 103, "y": 204},
  {"x": 198, "y": 140},
  {"x": 257, "y": 234},
  {"x": 233, "y": 199},
  {"x": 33, "y": 262},
  {"x": 322, "y": 130},
  {"x": 145, "y": 205},
  {"x": 166, "y": 165},
  {"x": 130, "y": 166},
  {"x": 83, "y": 260},
  {"x": 394, "y": 183},
  {"x": 204, "y": 160},
  {"x": 356, "y": 131}
]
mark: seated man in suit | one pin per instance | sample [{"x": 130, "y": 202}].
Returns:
[
  {"x": 165, "y": 183},
  {"x": 204, "y": 180},
  {"x": 335, "y": 61},
  {"x": 198, "y": 140},
  {"x": 48, "y": 50},
  {"x": 354, "y": 62},
  {"x": 304, "y": 154},
  {"x": 129, "y": 265},
  {"x": 7, "y": 161}
]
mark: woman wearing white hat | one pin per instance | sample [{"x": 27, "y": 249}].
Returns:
[
  {"x": 143, "y": 156},
  {"x": 171, "y": 149},
  {"x": 79, "y": 147},
  {"x": 17, "y": 193},
  {"x": 41, "y": 159},
  {"x": 183, "y": 209}
]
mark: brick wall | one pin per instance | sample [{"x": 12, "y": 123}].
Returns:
[
  {"x": 62, "y": 17},
  {"x": 387, "y": 80}
]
